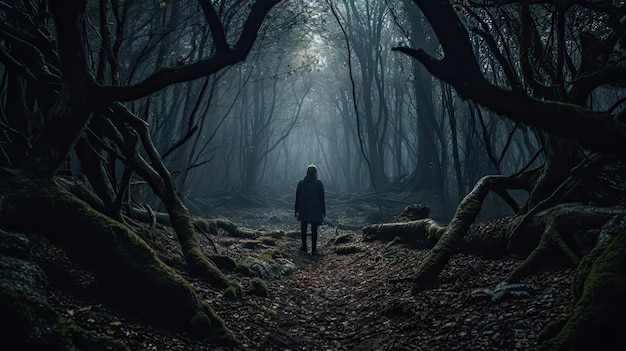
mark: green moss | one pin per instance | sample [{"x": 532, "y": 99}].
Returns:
[
  {"x": 73, "y": 337},
  {"x": 245, "y": 270},
  {"x": 394, "y": 306},
  {"x": 31, "y": 323},
  {"x": 269, "y": 255},
  {"x": 22, "y": 314},
  {"x": 343, "y": 238},
  {"x": 435, "y": 232},
  {"x": 206, "y": 321},
  {"x": 259, "y": 287},
  {"x": 144, "y": 233},
  {"x": 274, "y": 233},
  {"x": 206, "y": 225},
  {"x": 231, "y": 293},
  {"x": 598, "y": 318},
  {"x": 347, "y": 249},
  {"x": 127, "y": 269}
]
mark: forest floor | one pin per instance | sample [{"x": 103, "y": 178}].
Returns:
[{"x": 356, "y": 301}]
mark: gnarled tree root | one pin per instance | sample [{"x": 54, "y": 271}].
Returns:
[
  {"x": 128, "y": 270},
  {"x": 560, "y": 226},
  {"x": 598, "y": 318},
  {"x": 183, "y": 223}
]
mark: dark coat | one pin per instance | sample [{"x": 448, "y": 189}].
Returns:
[{"x": 310, "y": 204}]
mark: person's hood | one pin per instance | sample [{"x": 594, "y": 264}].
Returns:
[{"x": 309, "y": 178}]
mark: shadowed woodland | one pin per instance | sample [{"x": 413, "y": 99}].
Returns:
[{"x": 473, "y": 155}]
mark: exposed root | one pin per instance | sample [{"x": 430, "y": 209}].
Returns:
[
  {"x": 561, "y": 226},
  {"x": 506, "y": 290}
]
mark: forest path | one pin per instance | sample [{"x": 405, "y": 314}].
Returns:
[
  {"x": 357, "y": 301},
  {"x": 362, "y": 301},
  {"x": 328, "y": 301}
]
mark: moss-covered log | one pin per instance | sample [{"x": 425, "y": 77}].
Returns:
[
  {"x": 207, "y": 225},
  {"x": 490, "y": 238},
  {"x": 447, "y": 238},
  {"x": 562, "y": 234},
  {"x": 131, "y": 275},
  {"x": 237, "y": 230},
  {"x": 466, "y": 212},
  {"x": 422, "y": 232}
]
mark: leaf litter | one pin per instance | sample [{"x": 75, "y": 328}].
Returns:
[{"x": 355, "y": 301}]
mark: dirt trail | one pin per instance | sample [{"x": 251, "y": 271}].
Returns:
[
  {"x": 362, "y": 301},
  {"x": 358, "y": 301}
]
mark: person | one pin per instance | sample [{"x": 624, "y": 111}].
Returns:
[{"x": 310, "y": 206}]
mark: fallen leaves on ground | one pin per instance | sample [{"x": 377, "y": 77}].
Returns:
[{"x": 357, "y": 301}]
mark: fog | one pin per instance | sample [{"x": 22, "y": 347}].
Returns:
[{"x": 322, "y": 86}]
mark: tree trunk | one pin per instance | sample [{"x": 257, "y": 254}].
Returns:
[
  {"x": 179, "y": 215},
  {"x": 428, "y": 173}
]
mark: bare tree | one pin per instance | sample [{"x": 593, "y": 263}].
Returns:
[
  {"x": 551, "y": 74},
  {"x": 49, "y": 57}
]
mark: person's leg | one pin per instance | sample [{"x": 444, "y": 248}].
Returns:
[
  {"x": 314, "y": 226},
  {"x": 303, "y": 227}
]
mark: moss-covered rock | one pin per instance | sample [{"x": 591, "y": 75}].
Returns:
[
  {"x": 272, "y": 264},
  {"x": 13, "y": 244},
  {"x": 343, "y": 238},
  {"x": 259, "y": 287},
  {"x": 231, "y": 293},
  {"x": 347, "y": 249},
  {"x": 269, "y": 255},
  {"x": 27, "y": 320}
]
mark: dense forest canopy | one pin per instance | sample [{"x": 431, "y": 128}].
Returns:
[{"x": 115, "y": 113}]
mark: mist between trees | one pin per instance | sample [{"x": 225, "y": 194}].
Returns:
[
  {"x": 382, "y": 119},
  {"x": 256, "y": 125},
  {"x": 174, "y": 103}
]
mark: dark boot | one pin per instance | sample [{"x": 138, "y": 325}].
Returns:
[
  {"x": 303, "y": 247},
  {"x": 303, "y": 227},
  {"x": 314, "y": 242}
]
